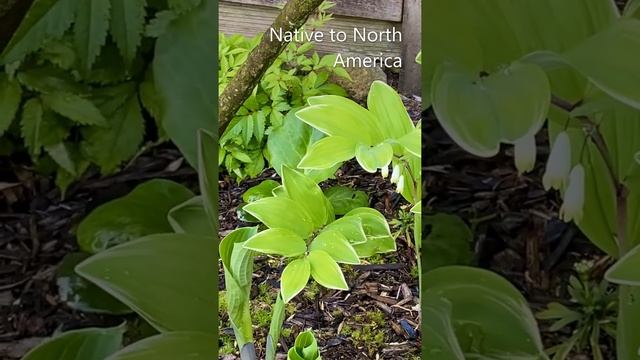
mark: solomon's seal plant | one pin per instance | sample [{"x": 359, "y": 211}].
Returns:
[{"x": 575, "y": 78}]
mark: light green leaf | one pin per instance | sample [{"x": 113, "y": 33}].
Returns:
[
  {"x": 281, "y": 242},
  {"x": 335, "y": 120},
  {"x": 90, "y": 30},
  {"x": 85, "y": 344},
  {"x": 625, "y": 270},
  {"x": 175, "y": 268},
  {"x": 373, "y": 158},
  {"x": 10, "y": 96},
  {"x": 412, "y": 142},
  {"x": 448, "y": 243},
  {"x": 480, "y": 299},
  {"x": 262, "y": 190},
  {"x": 171, "y": 346},
  {"x": 351, "y": 228},
  {"x": 127, "y": 26},
  {"x": 191, "y": 217},
  {"x": 295, "y": 277},
  {"x": 229, "y": 246},
  {"x": 119, "y": 140},
  {"x": 46, "y": 19},
  {"x": 79, "y": 294},
  {"x": 344, "y": 199},
  {"x": 490, "y": 104},
  {"x": 142, "y": 212},
  {"x": 376, "y": 228},
  {"x": 281, "y": 212},
  {"x": 389, "y": 110},
  {"x": 185, "y": 79},
  {"x": 336, "y": 245},
  {"x": 325, "y": 271},
  {"x": 208, "y": 174},
  {"x": 306, "y": 346},
  {"x": 74, "y": 107},
  {"x": 307, "y": 194},
  {"x": 440, "y": 338},
  {"x": 327, "y": 152},
  {"x": 608, "y": 60}
]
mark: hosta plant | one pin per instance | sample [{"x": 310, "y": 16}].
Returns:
[
  {"x": 576, "y": 77},
  {"x": 82, "y": 80},
  {"x": 302, "y": 229},
  {"x": 305, "y": 348}
]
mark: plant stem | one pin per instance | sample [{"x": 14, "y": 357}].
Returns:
[{"x": 277, "y": 319}]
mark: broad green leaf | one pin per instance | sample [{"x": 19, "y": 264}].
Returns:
[
  {"x": 448, "y": 242},
  {"x": 185, "y": 79},
  {"x": 295, "y": 277},
  {"x": 90, "y": 30},
  {"x": 350, "y": 227},
  {"x": 79, "y": 294},
  {"x": 389, "y": 110},
  {"x": 62, "y": 156},
  {"x": 490, "y": 104},
  {"x": 208, "y": 174},
  {"x": 325, "y": 271},
  {"x": 119, "y": 140},
  {"x": 191, "y": 217},
  {"x": 288, "y": 143},
  {"x": 350, "y": 109},
  {"x": 625, "y": 270},
  {"x": 328, "y": 152},
  {"x": 608, "y": 60},
  {"x": 281, "y": 212},
  {"x": 228, "y": 244},
  {"x": 304, "y": 191},
  {"x": 306, "y": 346},
  {"x": 276, "y": 241},
  {"x": 503, "y": 325},
  {"x": 376, "y": 228},
  {"x": 440, "y": 338},
  {"x": 333, "y": 120},
  {"x": 171, "y": 346},
  {"x": 10, "y": 96},
  {"x": 142, "y": 212},
  {"x": 344, "y": 199},
  {"x": 373, "y": 158},
  {"x": 127, "y": 26},
  {"x": 46, "y": 19},
  {"x": 262, "y": 190},
  {"x": 412, "y": 142},
  {"x": 336, "y": 245},
  {"x": 74, "y": 107},
  {"x": 176, "y": 269},
  {"x": 85, "y": 344}
]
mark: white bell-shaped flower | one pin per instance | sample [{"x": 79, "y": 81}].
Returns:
[
  {"x": 384, "y": 171},
  {"x": 525, "y": 153},
  {"x": 559, "y": 163},
  {"x": 395, "y": 175},
  {"x": 573, "y": 205},
  {"x": 400, "y": 187}
]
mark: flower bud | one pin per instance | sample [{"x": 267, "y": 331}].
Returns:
[
  {"x": 395, "y": 174},
  {"x": 400, "y": 187},
  {"x": 525, "y": 153},
  {"x": 573, "y": 204},
  {"x": 384, "y": 171},
  {"x": 559, "y": 163}
]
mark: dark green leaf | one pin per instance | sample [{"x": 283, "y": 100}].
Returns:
[
  {"x": 171, "y": 346},
  {"x": 74, "y": 107},
  {"x": 345, "y": 199},
  {"x": 85, "y": 344},
  {"x": 191, "y": 217},
  {"x": 448, "y": 242},
  {"x": 10, "y": 96},
  {"x": 90, "y": 30},
  {"x": 127, "y": 25}
]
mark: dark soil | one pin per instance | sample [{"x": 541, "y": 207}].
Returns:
[{"x": 517, "y": 232}]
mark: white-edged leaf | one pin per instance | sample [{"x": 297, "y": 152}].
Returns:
[
  {"x": 277, "y": 241},
  {"x": 295, "y": 277},
  {"x": 326, "y": 271},
  {"x": 337, "y": 246}
]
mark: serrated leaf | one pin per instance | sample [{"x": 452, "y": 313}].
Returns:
[
  {"x": 85, "y": 344},
  {"x": 46, "y": 19},
  {"x": 295, "y": 277},
  {"x": 10, "y": 96},
  {"x": 325, "y": 271},
  {"x": 159, "y": 24},
  {"x": 74, "y": 107},
  {"x": 127, "y": 25},
  {"x": 90, "y": 30},
  {"x": 141, "y": 212},
  {"x": 110, "y": 146},
  {"x": 183, "y": 6},
  {"x": 61, "y": 155},
  {"x": 277, "y": 241},
  {"x": 49, "y": 79},
  {"x": 30, "y": 125}
]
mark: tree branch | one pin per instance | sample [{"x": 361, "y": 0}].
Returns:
[{"x": 292, "y": 17}]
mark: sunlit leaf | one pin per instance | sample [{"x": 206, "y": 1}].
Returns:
[{"x": 295, "y": 277}]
